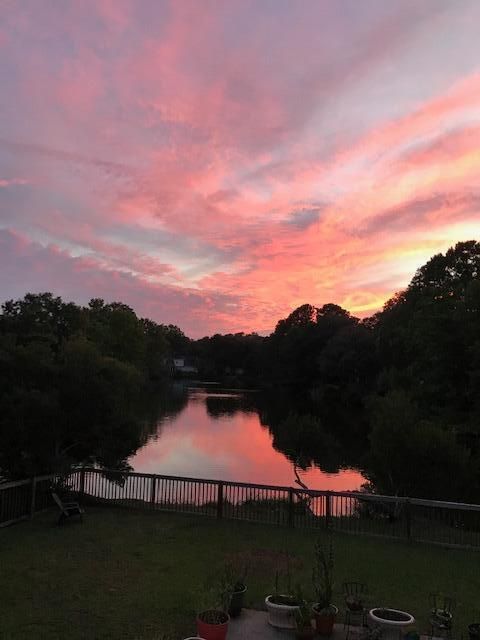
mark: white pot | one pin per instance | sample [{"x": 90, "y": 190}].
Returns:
[
  {"x": 392, "y": 629},
  {"x": 281, "y": 616}
]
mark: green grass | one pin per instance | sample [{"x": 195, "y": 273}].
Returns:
[{"x": 125, "y": 574}]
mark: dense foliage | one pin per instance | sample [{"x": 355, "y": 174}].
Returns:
[{"x": 74, "y": 382}]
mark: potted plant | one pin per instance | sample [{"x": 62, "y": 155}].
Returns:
[
  {"x": 213, "y": 619},
  {"x": 393, "y": 621},
  {"x": 474, "y": 631},
  {"x": 322, "y": 577},
  {"x": 442, "y": 617},
  {"x": 282, "y": 605},
  {"x": 235, "y": 588},
  {"x": 303, "y": 619}
]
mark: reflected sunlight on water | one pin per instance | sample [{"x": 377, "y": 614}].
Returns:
[{"x": 228, "y": 445}]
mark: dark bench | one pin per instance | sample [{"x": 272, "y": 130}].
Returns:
[{"x": 67, "y": 509}]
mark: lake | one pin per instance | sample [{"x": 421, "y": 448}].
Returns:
[{"x": 218, "y": 434}]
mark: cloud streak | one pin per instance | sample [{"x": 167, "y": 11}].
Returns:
[{"x": 113, "y": 168}]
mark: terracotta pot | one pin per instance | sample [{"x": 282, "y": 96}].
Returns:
[
  {"x": 324, "y": 621},
  {"x": 212, "y": 625}
]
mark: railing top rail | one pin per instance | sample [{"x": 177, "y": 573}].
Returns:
[
  {"x": 189, "y": 479},
  {"x": 136, "y": 474},
  {"x": 232, "y": 483},
  {"x": 461, "y": 506},
  {"x": 373, "y": 497},
  {"x": 48, "y": 477},
  {"x": 21, "y": 483},
  {"x": 13, "y": 484},
  {"x": 250, "y": 485}
]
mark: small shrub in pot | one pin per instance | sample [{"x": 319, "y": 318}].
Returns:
[
  {"x": 234, "y": 587},
  {"x": 212, "y": 618},
  {"x": 322, "y": 577},
  {"x": 303, "y": 619},
  {"x": 282, "y": 605}
]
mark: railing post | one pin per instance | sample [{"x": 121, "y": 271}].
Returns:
[
  {"x": 291, "y": 506},
  {"x": 408, "y": 517},
  {"x": 82, "y": 481},
  {"x": 220, "y": 501},
  {"x": 328, "y": 510},
  {"x": 153, "y": 492},
  {"x": 33, "y": 496}
]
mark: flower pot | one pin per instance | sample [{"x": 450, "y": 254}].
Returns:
[
  {"x": 236, "y": 602},
  {"x": 474, "y": 631},
  {"x": 392, "y": 621},
  {"x": 282, "y": 616},
  {"x": 212, "y": 624},
  {"x": 325, "y": 619}
]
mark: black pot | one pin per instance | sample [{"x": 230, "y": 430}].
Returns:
[
  {"x": 474, "y": 631},
  {"x": 236, "y": 602}
]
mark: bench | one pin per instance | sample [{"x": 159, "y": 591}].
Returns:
[{"x": 67, "y": 509}]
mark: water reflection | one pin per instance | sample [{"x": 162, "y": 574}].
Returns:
[{"x": 218, "y": 434}]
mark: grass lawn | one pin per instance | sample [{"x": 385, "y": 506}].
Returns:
[{"x": 125, "y": 574}]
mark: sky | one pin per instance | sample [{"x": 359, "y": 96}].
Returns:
[{"x": 216, "y": 164}]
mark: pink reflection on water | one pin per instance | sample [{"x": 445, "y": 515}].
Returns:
[{"x": 234, "y": 447}]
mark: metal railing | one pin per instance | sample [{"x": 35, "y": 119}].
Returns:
[
  {"x": 446, "y": 523},
  {"x": 21, "y": 499}
]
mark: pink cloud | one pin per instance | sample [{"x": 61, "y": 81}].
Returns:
[
  {"x": 53, "y": 269},
  {"x": 12, "y": 182}
]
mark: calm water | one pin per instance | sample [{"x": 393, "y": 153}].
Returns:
[{"x": 218, "y": 434}]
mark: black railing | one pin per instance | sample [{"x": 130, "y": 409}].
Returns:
[
  {"x": 446, "y": 523},
  {"x": 22, "y": 499}
]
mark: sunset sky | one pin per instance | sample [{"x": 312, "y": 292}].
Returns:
[{"x": 215, "y": 164}]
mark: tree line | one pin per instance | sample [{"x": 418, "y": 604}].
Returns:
[{"x": 76, "y": 382}]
